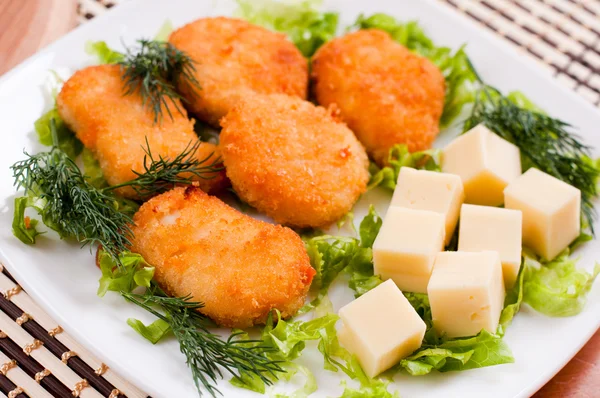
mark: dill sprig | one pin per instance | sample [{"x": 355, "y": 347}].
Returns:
[
  {"x": 154, "y": 70},
  {"x": 161, "y": 174},
  {"x": 545, "y": 142},
  {"x": 68, "y": 203},
  {"x": 206, "y": 353}
]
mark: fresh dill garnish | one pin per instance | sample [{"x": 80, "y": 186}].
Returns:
[
  {"x": 545, "y": 142},
  {"x": 161, "y": 174},
  {"x": 68, "y": 203},
  {"x": 154, "y": 70},
  {"x": 206, "y": 352}
]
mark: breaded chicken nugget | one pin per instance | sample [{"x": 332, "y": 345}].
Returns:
[
  {"x": 387, "y": 94},
  {"x": 293, "y": 160},
  {"x": 115, "y": 127},
  {"x": 239, "y": 267},
  {"x": 234, "y": 58}
]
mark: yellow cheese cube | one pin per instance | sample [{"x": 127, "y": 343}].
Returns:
[
  {"x": 406, "y": 245},
  {"x": 496, "y": 229},
  {"x": 551, "y": 211},
  {"x": 380, "y": 328},
  {"x": 466, "y": 293},
  {"x": 485, "y": 162},
  {"x": 429, "y": 190}
]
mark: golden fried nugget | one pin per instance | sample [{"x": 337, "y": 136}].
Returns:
[
  {"x": 115, "y": 127},
  {"x": 239, "y": 267},
  {"x": 387, "y": 94},
  {"x": 293, "y": 160},
  {"x": 234, "y": 58}
]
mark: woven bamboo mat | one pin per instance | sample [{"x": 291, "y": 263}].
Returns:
[{"x": 39, "y": 359}]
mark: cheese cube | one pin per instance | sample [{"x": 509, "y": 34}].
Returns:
[
  {"x": 466, "y": 293},
  {"x": 406, "y": 245},
  {"x": 485, "y": 162},
  {"x": 551, "y": 211},
  {"x": 380, "y": 328},
  {"x": 496, "y": 229},
  {"x": 429, "y": 190}
]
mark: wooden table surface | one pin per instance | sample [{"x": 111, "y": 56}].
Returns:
[{"x": 28, "y": 25}]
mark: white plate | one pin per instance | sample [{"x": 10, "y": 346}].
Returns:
[{"x": 63, "y": 279}]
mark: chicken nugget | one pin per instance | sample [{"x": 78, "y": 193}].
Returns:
[
  {"x": 387, "y": 94},
  {"x": 234, "y": 58},
  {"x": 115, "y": 127},
  {"x": 239, "y": 267},
  {"x": 293, "y": 160}
]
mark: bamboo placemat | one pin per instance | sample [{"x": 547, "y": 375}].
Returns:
[{"x": 39, "y": 359}]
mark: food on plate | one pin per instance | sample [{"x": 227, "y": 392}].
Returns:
[
  {"x": 233, "y": 59},
  {"x": 187, "y": 256},
  {"x": 406, "y": 246},
  {"x": 387, "y": 94},
  {"x": 466, "y": 293},
  {"x": 380, "y": 328},
  {"x": 119, "y": 129},
  {"x": 491, "y": 228},
  {"x": 239, "y": 267},
  {"x": 428, "y": 190},
  {"x": 486, "y": 163},
  {"x": 292, "y": 160},
  {"x": 551, "y": 211}
]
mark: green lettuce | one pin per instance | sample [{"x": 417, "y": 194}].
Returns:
[
  {"x": 92, "y": 170},
  {"x": 164, "y": 32},
  {"x": 302, "y": 21},
  {"x": 522, "y": 101},
  {"x": 153, "y": 332},
  {"x": 338, "y": 358},
  {"x": 512, "y": 303},
  {"x": 330, "y": 255},
  {"x": 459, "y": 75},
  {"x": 24, "y": 228},
  {"x": 103, "y": 53},
  {"x": 443, "y": 354},
  {"x": 556, "y": 288},
  {"x": 284, "y": 342},
  {"x": 362, "y": 278},
  {"x": 132, "y": 272},
  {"x": 67, "y": 141},
  {"x": 399, "y": 157}
]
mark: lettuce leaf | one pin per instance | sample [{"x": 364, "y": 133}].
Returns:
[
  {"x": 556, "y": 288},
  {"x": 24, "y": 228},
  {"x": 103, "y": 53},
  {"x": 369, "y": 228},
  {"x": 443, "y": 354},
  {"x": 67, "y": 141},
  {"x": 512, "y": 303},
  {"x": 153, "y": 332},
  {"x": 428, "y": 359},
  {"x": 521, "y": 100},
  {"x": 302, "y": 21},
  {"x": 330, "y": 255},
  {"x": 484, "y": 349},
  {"x": 460, "y": 78},
  {"x": 284, "y": 342},
  {"x": 92, "y": 170},
  {"x": 338, "y": 358},
  {"x": 164, "y": 31},
  {"x": 134, "y": 271},
  {"x": 399, "y": 157},
  {"x": 369, "y": 388}
]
